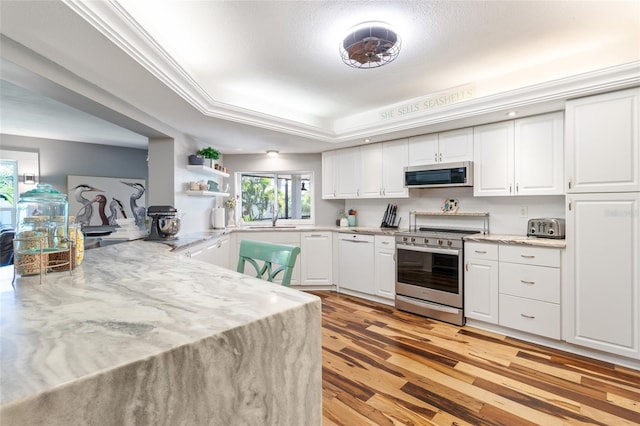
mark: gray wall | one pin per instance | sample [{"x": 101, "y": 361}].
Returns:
[{"x": 61, "y": 158}]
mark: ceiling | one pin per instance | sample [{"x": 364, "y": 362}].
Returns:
[{"x": 245, "y": 76}]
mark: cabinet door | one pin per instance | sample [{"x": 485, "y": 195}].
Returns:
[
  {"x": 347, "y": 166},
  {"x": 221, "y": 253},
  {"x": 423, "y": 150},
  {"x": 328, "y": 175},
  {"x": 395, "y": 157},
  {"x": 481, "y": 290},
  {"x": 603, "y": 147},
  {"x": 385, "y": 266},
  {"x": 370, "y": 179},
  {"x": 601, "y": 306},
  {"x": 493, "y": 159},
  {"x": 315, "y": 258},
  {"x": 456, "y": 145},
  {"x": 539, "y": 155}
]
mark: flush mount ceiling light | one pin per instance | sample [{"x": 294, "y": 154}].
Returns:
[
  {"x": 370, "y": 45},
  {"x": 273, "y": 153}
]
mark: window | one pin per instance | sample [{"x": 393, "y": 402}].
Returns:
[
  {"x": 8, "y": 192},
  {"x": 260, "y": 190}
]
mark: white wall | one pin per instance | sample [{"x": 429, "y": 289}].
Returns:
[{"x": 504, "y": 211}]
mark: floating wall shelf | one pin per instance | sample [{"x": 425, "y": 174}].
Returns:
[{"x": 207, "y": 170}]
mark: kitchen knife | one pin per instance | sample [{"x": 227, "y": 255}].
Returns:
[{"x": 392, "y": 219}]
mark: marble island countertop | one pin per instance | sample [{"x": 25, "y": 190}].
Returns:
[{"x": 140, "y": 335}]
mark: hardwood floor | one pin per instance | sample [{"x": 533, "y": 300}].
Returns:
[{"x": 382, "y": 366}]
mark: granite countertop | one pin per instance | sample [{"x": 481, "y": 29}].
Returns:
[
  {"x": 128, "y": 306},
  {"x": 517, "y": 239}
]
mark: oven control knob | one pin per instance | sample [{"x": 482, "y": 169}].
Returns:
[
  {"x": 413, "y": 240},
  {"x": 404, "y": 239},
  {"x": 449, "y": 243},
  {"x": 426, "y": 241},
  {"x": 440, "y": 242}
]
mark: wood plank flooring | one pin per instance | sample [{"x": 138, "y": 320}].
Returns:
[{"x": 382, "y": 366}]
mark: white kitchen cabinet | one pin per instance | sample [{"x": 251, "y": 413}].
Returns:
[
  {"x": 481, "y": 282},
  {"x": 395, "y": 157},
  {"x": 215, "y": 251},
  {"x": 357, "y": 259},
  {"x": 529, "y": 286},
  {"x": 370, "y": 178},
  {"x": 601, "y": 301},
  {"x": 328, "y": 175},
  {"x": 446, "y": 147},
  {"x": 290, "y": 238},
  {"x": 519, "y": 157},
  {"x": 347, "y": 172},
  {"x": 603, "y": 146},
  {"x": 316, "y": 258},
  {"x": 385, "y": 266},
  {"x": 369, "y": 171}
]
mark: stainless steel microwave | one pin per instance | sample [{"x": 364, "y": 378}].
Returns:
[{"x": 439, "y": 175}]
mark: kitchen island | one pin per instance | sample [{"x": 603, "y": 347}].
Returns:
[{"x": 140, "y": 335}]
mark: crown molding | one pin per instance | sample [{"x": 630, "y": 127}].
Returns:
[{"x": 115, "y": 23}]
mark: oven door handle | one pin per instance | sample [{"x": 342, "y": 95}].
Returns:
[{"x": 428, "y": 249}]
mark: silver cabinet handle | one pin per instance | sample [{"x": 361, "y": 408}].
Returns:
[
  {"x": 527, "y": 256},
  {"x": 435, "y": 157},
  {"x": 441, "y": 157},
  {"x": 466, "y": 266},
  {"x": 510, "y": 188},
  {"x": 527, "y": 282},
  {"x": 481, "y": 251},
  {"x": 569, "y": 183},
  {"x": 195, "y": 253},
  {"x": 527, "y": 316}
]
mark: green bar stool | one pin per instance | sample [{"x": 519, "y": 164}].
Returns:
[{"x": 278, "y": 256}]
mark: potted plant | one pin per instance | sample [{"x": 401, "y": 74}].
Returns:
[{"x": 209, "y": 154}]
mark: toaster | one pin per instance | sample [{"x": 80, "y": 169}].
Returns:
[{"x": 546, "y": 228}]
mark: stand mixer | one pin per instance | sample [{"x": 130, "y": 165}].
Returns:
[{"x": 165, "y": 225}]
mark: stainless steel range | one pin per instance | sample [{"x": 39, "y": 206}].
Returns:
[{"x": 429, "y": 273}]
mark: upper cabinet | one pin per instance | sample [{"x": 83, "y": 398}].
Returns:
[
  {"x": 603, "y": 147},
  {"x": 446, "y": 147},
  {"x": 519, "y": 157},
  {"x": 368, "y": 171}
]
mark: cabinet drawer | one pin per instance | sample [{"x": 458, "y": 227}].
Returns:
[
  {"x": 531, "y": 316},
  {"x": 533, "y": 282},
  {"x": 385, "y": 242},
  {"x": 530, "y": 255},
  {"x": 481, "y": 251}
]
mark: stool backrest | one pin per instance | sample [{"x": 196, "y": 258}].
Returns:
[{"x": 268, "y": 259}]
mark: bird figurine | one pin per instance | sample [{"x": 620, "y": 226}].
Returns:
[
  {"x": 139, "y": 212},
  {"x": 115, "y": 207},
  {"x": 86, "y": 211}
]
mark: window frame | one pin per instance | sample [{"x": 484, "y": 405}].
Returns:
[{"x": 274, "y": 174}]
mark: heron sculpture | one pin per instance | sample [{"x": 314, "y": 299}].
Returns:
[{"x": 139, "y": 212}]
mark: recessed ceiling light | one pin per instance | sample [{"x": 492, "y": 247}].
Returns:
[
  {"x": 367, "y": 140},
  {"x": 512, "y": 113},
  {"x": 273, "y": 153}
]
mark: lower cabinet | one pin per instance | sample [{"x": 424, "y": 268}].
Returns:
[
  {"x": 385, "y": 266},
  {"x": 481, "y": 282},
  {"x": 514, "y": 286},
  {"x": 215, "y": 251},
  {"x": 316, "y": 260}
]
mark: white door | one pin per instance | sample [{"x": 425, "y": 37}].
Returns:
[
  {"x": 455, "y": 145},
  {"x": 493, "y": 159},
  {"x": 423, "y": 150},
  {"x": 603, "y": 146},
  {"x": 395, "y": 157},
  {"x": 347, "y": 166},
  {"x": 601, "y": 303},
  {"x": 539, "y": 155},
  {"x": 328, "y": 175},
  {"x": 370, "y": 171},
  {"x": 481, "y": 290},
  {"x": 316, "y": 258}
]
